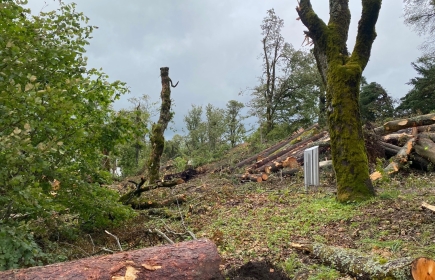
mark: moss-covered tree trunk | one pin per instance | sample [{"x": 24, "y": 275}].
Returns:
[
  {"x": 342, "y": 73},
  {"x": 157, "y": 133}
]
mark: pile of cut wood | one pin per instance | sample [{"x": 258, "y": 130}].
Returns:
[{"x": 405, "y": 141}]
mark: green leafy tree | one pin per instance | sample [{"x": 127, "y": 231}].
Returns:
[
  {"x": 341, "y": 73},
  {"x": 215, "y": 124},
  {"x": 290, "y": 87},
  {"x": 195, "y": 128},
  {"x": 420, "y": 99},
  {"x": 56, "y": 121},
  {"x": 376, "y": 105},
  {"x": 235, "y": 130}
]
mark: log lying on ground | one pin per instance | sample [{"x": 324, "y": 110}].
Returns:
[
  {"x": 396, "y": 138},
  {"x": 283, "y": 152},
  {"x": 279, "y": 164},
  {"x": 428, "y": 206},
  {"x": 398, "y": 161},
  {"x": 425, "y": 147},
  {"x": 196, "y": 259},
  {"x": 426, "y": 128},
  {"x": 423, "y": 269},
  {"x": 274, "y": 148},
  {"x": 396, "y": 125},
  {"x": 252, "y": 177},
  {"x": 143, "y": 203},
  {"x": 417, "y": 160},
  {"x": 357, "y": 264},
  {"x": 126, "y": 198}
]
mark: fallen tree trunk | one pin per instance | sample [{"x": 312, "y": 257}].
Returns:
[
  {"x": 198, "y": 259},
  {"x": 252, "y": 177},
  {"x": 396, "y": 138},
  {"x": 425, "y": 148},
  {"x": 141, "y": 204},
  {"x": 417, "y": 161},
  {"x": 274, "y": 148},
  {"x": 357, "y": 264},
  {"x": 283, "y": 152},
  {"x": 396, "y": 125},
  {"x": 426, "y": 128},
  {"x": 126, "y": 198},
  {"x": 279, "y": 164},
  {"x": 398, "y": 161}
]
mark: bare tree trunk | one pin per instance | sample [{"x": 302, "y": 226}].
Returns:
[{"x": 157, "y": 134}]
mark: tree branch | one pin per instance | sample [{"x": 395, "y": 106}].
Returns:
[{"x": 366, "y": 32}]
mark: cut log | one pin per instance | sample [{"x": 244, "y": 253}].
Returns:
[
  {"x": 397, "y": 125},
  {"x": 252, "y": 177},
  {"x": 425, "y": 148},
  {"x": 398, "y": 161},
  {"x": 284, "y": 151},
  {"x": 417, "y": 161},
  {"x": 275, "y": 166},
  {"x": 396, "y": 138},
  {"x": 423, "y": 269},
  {"x": 426, "y": 128},
  {"x": 356, "y": 264},
  {"x": 274, "y": 148},
  {"x": 430, "y": 135},
  {"x": 198, "y": 259}
]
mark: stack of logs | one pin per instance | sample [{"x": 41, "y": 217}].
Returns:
[{"x": 402, "y": 140}]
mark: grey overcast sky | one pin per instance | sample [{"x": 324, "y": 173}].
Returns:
[{"x": 213, "y": 46}]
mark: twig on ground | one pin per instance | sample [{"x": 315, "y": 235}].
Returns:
[
  {"x": 93, "y": 245},
  {"x": 162, "y": 235},
  {"x": 116, "y": 238}
]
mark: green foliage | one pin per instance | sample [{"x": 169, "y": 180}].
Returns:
[
  {"x": 18, "y": 247},
  {"x": 376, "y": 105},
  {"x": 235, "y": 130},
  {"x": 420, "y": 98},
  {"x": 56, "y": 123},
  {"x": 290, "y": 88}
]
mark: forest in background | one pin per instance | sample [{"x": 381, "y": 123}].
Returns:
[{"x": 61, "y": 140}]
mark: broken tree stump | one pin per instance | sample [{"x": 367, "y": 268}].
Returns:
[
  {"x": 356, "y": 264},
  {"x": 198, "y": 259}
]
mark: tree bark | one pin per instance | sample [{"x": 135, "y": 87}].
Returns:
[
  {"x": 398, "y": 161},
  {"x": 343, "y": 76},
  {"x": 279, "y": 164},
  {"x": 425, "y": 147},
  {"x": 392, "y": 126},
  {"x": 157, "y": 133},
  {"x": 303, "y": 143},
  {"x": 126, "y": 198},
  {"x": 357, "y": 264},
  {"x": 274, "y": 148},
  {"x": 197, "y": 259},
  {"x": 252, "y": 177}
]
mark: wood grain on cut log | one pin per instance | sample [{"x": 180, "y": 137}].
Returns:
[
  {"x": 356, "y": 264},
  {"x": 423, "y": 269},
  {"x": 397, "y": 162},
  {"x": 396, "y": 125},
  {"x": 197, "y": 259},
  {"x": 425, "y": 147}
]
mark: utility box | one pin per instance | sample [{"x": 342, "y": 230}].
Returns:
[{"x": 311, "y": 167}]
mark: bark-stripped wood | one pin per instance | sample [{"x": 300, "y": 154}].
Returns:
[
  {"x": 397, "y": 125},
  {"x": 423, "y": 269},
  {"x": 428, "y": 206},
  {"x": 356, "y": 264},
  {"x": 197, "y": 259},
  {"x": 398, "y": 161}
]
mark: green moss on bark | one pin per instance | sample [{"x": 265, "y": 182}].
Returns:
[{"x": 157, "y": 144}]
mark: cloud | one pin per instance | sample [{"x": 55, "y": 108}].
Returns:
[{"x": 213, "y": 47}]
